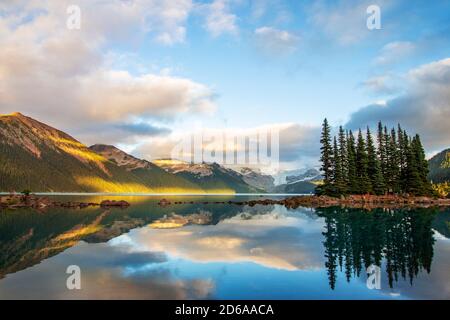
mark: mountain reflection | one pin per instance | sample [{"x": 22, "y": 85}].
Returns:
[
  {"x": 356, "y": 239},
  {"x": 199, "y": 250}
]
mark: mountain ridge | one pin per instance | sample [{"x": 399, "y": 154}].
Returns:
[{"x": 40, "y": 158}]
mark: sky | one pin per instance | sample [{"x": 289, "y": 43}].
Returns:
[{"x": 143, "y": 74}]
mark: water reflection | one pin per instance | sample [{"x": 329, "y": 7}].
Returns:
[
  {"x": 356, "y": 239},
  {"x": 225, "y": 251}
]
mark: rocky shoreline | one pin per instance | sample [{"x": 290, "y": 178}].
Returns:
[
  {"x": 352, "y": 201},
  {"x": 15, "y": 201}
]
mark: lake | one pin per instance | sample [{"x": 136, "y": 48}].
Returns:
[{"x": 221, "y": 251}]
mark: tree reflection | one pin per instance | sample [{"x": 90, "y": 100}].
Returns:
[{"x": 357, "y": 238}]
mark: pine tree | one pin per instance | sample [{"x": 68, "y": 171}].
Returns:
[
  {"x": 326, "y": 158},
  {"x": 422, "y": 165},
  {"x": 351, "y": 163},
  {"x": 362, "y": 178},
  {"x": 382, "y": 150},
  {"x": 402, "y": 154},
  {"x": 393, "y": 164},
  {"x": 373, "y": 169},
  {"x": 406, "y": 174},
  {"x": 343, "y": 158},
  {"x": 413, "y": 182},
  {"x": 338, "y": 180}
]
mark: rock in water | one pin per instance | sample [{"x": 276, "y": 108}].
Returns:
[{"x": 114, "y": 203}]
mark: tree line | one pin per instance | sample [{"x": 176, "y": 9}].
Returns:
[{"x": 354, "y": 165}]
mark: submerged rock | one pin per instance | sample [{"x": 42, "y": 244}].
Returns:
[
  {"x": 164, "y": 202},
  {"x": 114, "y": 203}
]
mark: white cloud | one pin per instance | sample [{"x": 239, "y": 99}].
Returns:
[
  {"x": 219, "y": 19},
  {"x": 386, "y": 84},
  {"x": 394, "y": 51},
  {"x": 344, "y": 21},
  {"x": 275, "y": 41},
  {"x": 298, "y": 144},
  {"x": 66, "y": 77},
  {"x": 424, "y": 108}
]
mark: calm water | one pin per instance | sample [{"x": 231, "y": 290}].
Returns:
[{"x": 225, "y": 252}]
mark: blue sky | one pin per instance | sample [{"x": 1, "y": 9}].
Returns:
[{"x": 171, "y": 66}]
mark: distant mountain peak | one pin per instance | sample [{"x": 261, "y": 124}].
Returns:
[
  {"x": 119, "y": 157},
  {"x": 178, "y": 166}
]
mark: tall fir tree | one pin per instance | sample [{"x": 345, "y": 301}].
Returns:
[
  {"x": 351, "y": 163},
  {"x": 393, "y": 165},
  {"x": 381, "y": 150},
  {"x": 408, "y": 174},
  {"x": 413, "y": 182},
  {"x": 362, "y": 177},
  {"x": 326, "y": 158},
  {"x": 338, "y": 180},
  {"x": 343, "y": 158},
  {"x": 402, "y": 153},
  {"x": 422, "y": 165},
  {"x": 373, "y": 169}
]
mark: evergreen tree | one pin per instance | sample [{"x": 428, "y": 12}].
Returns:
[
  {"x": 421, "y": 165},
  {"x": 351, "y": 163},
  {"x": 343, "y": 158},
  {"x": 373, "y": 169},
  {"x": 338, "y": 180},
  {"x": 326, "y": 158},
  {"x": 362, "y": 178},
  {"x": 393, "y": 164},
  {"x": 382, "y": 154},
  {"x": 412, "y": 182},
  {"x": 402, "y": 153},
  {"x": 397, "y": 165}
]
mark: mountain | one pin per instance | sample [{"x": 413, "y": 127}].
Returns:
[
  {"x": 298, "y": 181},
  {"x": 289, "y": 176},
  {"x": 149, "y": 173},
  {"x": 256, "y": 179},
  {"x": 309, "y": 175},
  {"x": 38, "y": 157},
  {"x": 41, "y": 158},
  {"x": 296, "y": 187},
  {"x": 210, "y": 176},
  {"x": 439, "y": 167}
]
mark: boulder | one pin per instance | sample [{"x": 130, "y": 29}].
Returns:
[{"x": 114, "y": 203}]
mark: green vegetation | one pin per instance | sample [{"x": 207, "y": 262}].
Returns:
[
  {"x": 440, "y": 167},
  {"x": 442, "y": 190},
  {"x": 355, "y": 166},
  {"x": 26, "y": 192}
]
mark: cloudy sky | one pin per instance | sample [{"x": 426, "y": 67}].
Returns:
[{"x": 141, "y": 74}]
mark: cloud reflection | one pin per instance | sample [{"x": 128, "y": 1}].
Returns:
[{"x": 272, "y": 240}]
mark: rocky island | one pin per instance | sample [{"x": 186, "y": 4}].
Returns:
[
  {"x": 14, "y": 201},
  {"x": 351, "y": 201}
]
